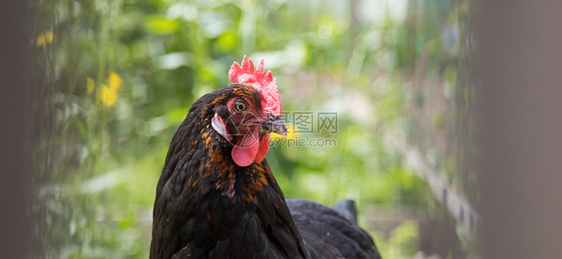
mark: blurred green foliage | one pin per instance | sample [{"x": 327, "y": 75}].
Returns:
[{"x": 377, "y": 64}]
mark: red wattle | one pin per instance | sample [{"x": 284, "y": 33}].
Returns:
[
  {"x": 245, "y": 151},
  {"x": 263, "y": 149}
]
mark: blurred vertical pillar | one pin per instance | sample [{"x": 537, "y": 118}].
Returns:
[
  {"x": 519, "y": 112},
  {"x": 14, "y": 105}
]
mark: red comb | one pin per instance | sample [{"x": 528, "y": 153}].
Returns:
[{"x": 263, "y": 82}]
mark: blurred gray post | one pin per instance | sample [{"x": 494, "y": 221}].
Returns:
[
  {"x": 14, "y": 107},
  {"x": 519, "y": 107}
]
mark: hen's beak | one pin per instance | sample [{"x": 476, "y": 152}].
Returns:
[{"x": 275, "y": 125}]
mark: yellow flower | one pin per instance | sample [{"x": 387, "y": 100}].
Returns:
[
  {"x": 45, "y": 38},
  {"x": 115, "y": 81},
  {"x": 108, "y": 95},
  {"x": 291, "y": 134},
  {"x": 90, "y": 84}
]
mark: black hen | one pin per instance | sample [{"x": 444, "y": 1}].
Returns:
[{"x": 217, "y": 197}]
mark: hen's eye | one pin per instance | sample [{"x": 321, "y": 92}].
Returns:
[{"x": 240, "y": 107}]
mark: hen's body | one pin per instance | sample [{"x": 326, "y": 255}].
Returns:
[{"x": 209, "y": 207}]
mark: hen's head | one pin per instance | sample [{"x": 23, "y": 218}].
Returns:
[{"x": 249, "y": 113}]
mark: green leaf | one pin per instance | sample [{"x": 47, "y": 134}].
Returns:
[{"x": 161, "y": 25}]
